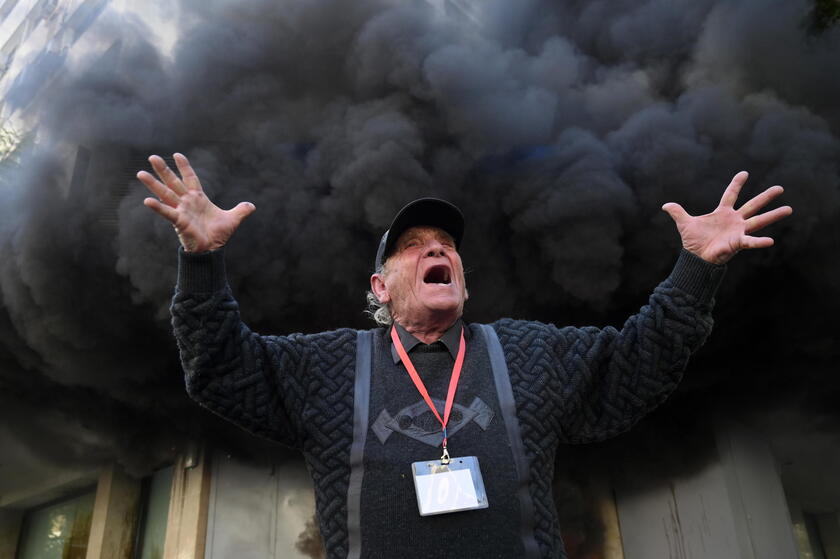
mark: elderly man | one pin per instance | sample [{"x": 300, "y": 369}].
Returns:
[{"x": 434, "y": 437}]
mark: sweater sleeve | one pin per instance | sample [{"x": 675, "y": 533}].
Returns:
[
  {"x": 257, "y": 382},
  {"x": 589, "y": 384}
]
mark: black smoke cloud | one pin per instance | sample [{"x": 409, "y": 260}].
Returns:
[{"x": 559, "y": 129}]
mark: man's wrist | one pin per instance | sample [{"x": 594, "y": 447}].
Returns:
[
  {"x": 697, "y": 276},
  {"x": 201, "y": 272},
  {"x": 714, "y": 259}
]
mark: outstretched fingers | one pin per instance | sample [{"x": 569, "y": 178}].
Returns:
[
  {"x": 158, "y": 188},
  {"x": 751, "y": 207},
  {"x": 677, "y": 212},
  {"x": 167, "y": 175},
  {"x": 730, "y": 195},
  {"x": 168, "y": 213},
  {"x": 187, "y": 173},
  {"x": 748, "y": 242},
  {"x": 763, "y": 220}
]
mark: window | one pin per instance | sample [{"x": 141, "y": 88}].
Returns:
[
  {"x": 154, "y": 514},
  {"x": 59, "y": 530}
]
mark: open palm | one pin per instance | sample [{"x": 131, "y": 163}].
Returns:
[
  {"x": 201, "y": 225},
  {"x": 718, "y": 236}
]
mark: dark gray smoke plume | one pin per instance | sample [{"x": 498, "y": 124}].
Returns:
[{"x": 559, "y": 128}]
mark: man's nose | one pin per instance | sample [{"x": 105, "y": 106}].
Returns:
[{"x": 435, "y": 248}]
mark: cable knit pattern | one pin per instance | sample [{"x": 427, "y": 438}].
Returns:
[
  {"x": 578, "y": 385},
  {"x": 571, "y": 385},
  {"x": 237, "y": 374}
]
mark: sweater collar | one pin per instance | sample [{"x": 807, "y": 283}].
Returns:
[{"x": 451, "y": 339}]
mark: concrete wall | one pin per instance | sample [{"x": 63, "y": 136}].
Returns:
[
  {"x": 682, "y": 518},
  {"x": 734, "y": 508},
  {"x": 113, "y": 527},
  {"x": 258, "y": 510},
  {"x": 186, "y": 530},
  {"x": 756, "y": 495}
]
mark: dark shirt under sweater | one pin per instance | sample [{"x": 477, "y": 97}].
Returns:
[{"x": 569, "y": 385}]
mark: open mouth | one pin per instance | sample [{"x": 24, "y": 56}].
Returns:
[{"x": 438, "y": 274}]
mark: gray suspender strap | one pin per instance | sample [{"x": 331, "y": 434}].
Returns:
[
  {"x": 361, "y": 403},
  {"x": 508, "y": 406}
]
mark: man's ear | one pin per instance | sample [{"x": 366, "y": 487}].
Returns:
[{"x": 377, "y": 285}]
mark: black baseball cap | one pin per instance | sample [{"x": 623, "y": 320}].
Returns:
[{"x": 432, "y": 212}]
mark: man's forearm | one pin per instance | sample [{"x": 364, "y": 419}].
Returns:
[{"x": 232, "y": 371}]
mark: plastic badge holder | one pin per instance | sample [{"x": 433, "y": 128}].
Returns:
[{"x": 444, "y": 488}]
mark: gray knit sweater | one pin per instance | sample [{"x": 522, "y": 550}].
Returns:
[{"x": 569, "y": 385}]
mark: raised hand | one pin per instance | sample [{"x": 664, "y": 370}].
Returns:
[
  {"x": 718, "y": 236},
  {"x": 201, "y": 225}
]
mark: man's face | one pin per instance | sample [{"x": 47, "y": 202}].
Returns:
[{"x": 424, "y": 277}]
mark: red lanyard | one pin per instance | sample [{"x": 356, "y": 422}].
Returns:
[{"x": 418, "y": 382}]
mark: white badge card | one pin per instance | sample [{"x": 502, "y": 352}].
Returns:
[{"x": 453, "y": 487}]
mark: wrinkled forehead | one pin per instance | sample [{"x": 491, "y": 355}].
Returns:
[{"x": 423, "y": 233}]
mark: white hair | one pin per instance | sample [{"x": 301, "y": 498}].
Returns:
[{"x": 380, "y": 312}]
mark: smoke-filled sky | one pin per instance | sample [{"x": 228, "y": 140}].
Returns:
[{"x": 559, "y": 128}]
